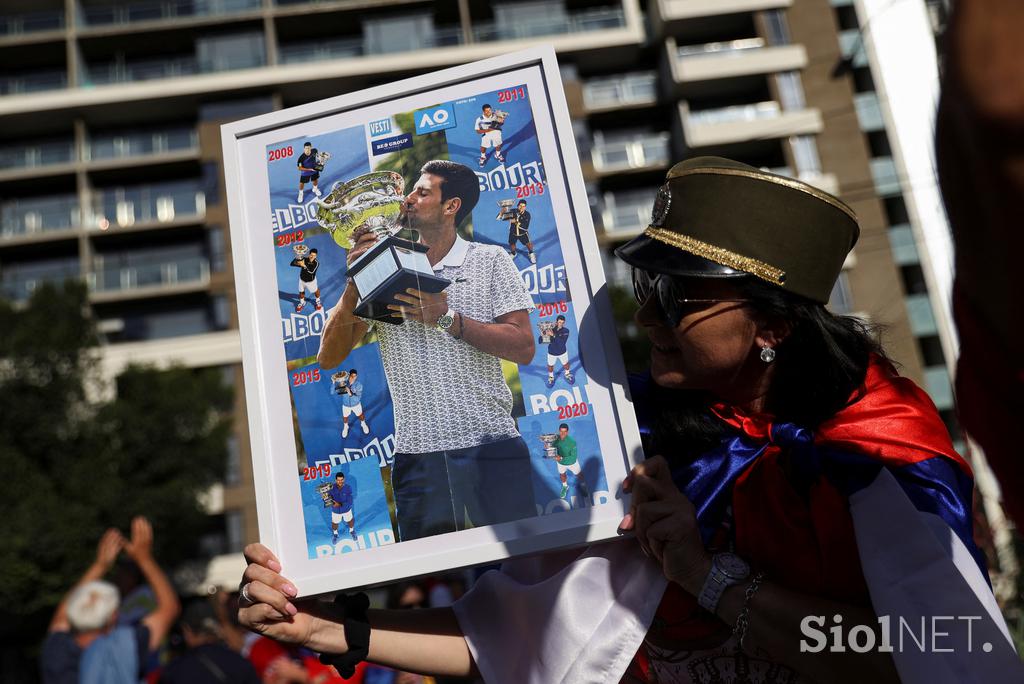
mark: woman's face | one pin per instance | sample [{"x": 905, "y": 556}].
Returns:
[{"x": 711, "y": 345}]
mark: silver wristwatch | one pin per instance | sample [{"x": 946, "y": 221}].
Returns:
[
  {"x": 727, "y": 569},
  {"x": 445, "y": 321}
]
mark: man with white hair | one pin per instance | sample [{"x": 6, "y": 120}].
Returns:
[{"x": 84, "y": 645}]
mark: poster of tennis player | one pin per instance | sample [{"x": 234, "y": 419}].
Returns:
[{"x": 426, "y": 319}]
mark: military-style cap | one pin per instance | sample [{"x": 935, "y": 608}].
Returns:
[{"x": 715, "y": 217}]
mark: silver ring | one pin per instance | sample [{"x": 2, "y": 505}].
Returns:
[{"x": 244, "y": 592}]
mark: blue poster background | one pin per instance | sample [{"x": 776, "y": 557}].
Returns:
[
  {"x": 369, "y": 510},
  {"x": 318, "y": 408}
]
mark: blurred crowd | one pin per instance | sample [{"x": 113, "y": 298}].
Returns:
[{"x": 123, "y": 622}]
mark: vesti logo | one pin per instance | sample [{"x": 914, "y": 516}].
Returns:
[
  {"x": 434, "y": 119},
  {"x": 378, "y": 128}
]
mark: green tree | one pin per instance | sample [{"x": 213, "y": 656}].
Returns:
[{"x": 74, "y": 463}]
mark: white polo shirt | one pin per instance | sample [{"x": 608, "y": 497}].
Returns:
[{"x": 448, "y": 394}]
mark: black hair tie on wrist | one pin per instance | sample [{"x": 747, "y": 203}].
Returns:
[{"x": 357, "y": 634}]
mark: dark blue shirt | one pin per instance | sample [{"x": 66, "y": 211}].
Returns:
[
  {"x": 558, "y": 342},
  {"x": 61, "y": 656},
  {"x": 210, "y": 664},
  {"x": 342, "y": 498}
]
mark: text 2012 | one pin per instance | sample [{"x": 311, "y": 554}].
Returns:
[{"x": 293, "y": 237}]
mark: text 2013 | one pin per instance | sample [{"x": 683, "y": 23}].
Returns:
[
  {"x": 280, "y": 153},
  {"x": 531, "y": 189},
  {"x": 316, "y": 472},
  {"x": 302, "y": 377},
  {"x": 510, "y": 95}
]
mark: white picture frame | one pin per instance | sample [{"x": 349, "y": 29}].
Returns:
[{"x": 260, "y": 223}]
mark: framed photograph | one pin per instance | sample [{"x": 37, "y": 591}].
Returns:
[{"x": 432, "y": 375}]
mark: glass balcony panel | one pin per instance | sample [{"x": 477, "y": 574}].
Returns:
[
  {"x": 147, "y": 270},
  {"x": 141, "y": 70},
  {"x": 32, "y": 82},
  {"x": 38, "y": 214},
  {"x": 141, "y": 204},
  {"x": 628, "y": 210},
  {"x": 141, "y": 143},
  {"x": 337, "y": 48},
  {"x": 750, "y": 112},
  {"x": 903, "y": 246},
  {"x": 719, "y": 48},
  {"x": 31, "y": 22},
  {"x": 887, "y": 180},
  {"x": 20, "y": 280},
  {"x": 869, "y": 111},
  {"x": 398, "y": 33},
  {"x": 595, "y": 19},
  {"x": 637, "y": 88},
  {"x": 919, "y": 312},
  {"x": 851, "y": 44},
  {"x": 940, "y": 389},
  {"x": 234, "y": 51},
  {"x": 36, "y": 154},
  {"x": 156, "y": 10}
]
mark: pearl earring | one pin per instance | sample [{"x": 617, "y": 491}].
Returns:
[{"x": 767, "y": 354}]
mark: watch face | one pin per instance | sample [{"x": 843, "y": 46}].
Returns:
[
  {"x": 445, "y": 322},
  {"x": 732, "y": 565}
]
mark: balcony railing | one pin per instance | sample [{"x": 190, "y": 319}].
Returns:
[
  {"x": 158, "y": 273},
  {"x": 750, "y": 112},
  {"x": 18, "y": 283},
  {"x": 157, "y": 10},
  {"x": 141, "y": 143},
  {"x": 37, "y": 154},
  {"x": 721, "y": 47},
  {"x": 149, "y": 203},
  {"x": 627, "y": 211},
  {"x": 639, "y": 88},
  {"x": 597, "y": 19},
  {"x": 321, "y": 50},
  {"x": 38, "y": 215},
  {"x": 33, "y": 82},
  {"x": 641, "y": 151},
  {"x": 166, "y": 67},
  {"x": 31, "y": 22}
]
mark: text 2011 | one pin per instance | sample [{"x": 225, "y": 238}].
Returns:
[
  {"x": 302, "y": 377},
  {"x": 280, "y": 153},
  {"x": 510, "y": 95}
]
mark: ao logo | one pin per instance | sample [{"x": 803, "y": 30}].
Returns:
[{"x": 434, "y": 119}]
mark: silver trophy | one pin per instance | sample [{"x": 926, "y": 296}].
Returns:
[
  {"x": 547, "y": 331},
  {"x": 506, "y": 209},
  {"x": 549, "y": 439},
  {"x": 325, "y": 494},
  {"x": 340, "y": 378},
  {"x": 301, "y": 251},
  {"x": 393, "y": 264}
]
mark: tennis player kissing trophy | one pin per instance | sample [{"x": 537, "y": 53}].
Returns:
[{"x": 393, "y": 264}]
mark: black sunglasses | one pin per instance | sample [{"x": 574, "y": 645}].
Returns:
[{"x": 670, "y": 293}]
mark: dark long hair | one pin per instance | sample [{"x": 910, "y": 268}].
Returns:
[{"x": 818, "y": 368}]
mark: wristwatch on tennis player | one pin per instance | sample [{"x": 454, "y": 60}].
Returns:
[
  {"x": 446, "y": 321},
  {"x": 727, "y": 569}
]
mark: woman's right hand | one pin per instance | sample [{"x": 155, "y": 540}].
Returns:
[{"x": 269, "y": 610}]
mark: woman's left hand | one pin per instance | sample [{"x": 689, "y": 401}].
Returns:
[{"x": 665, "y": 524}]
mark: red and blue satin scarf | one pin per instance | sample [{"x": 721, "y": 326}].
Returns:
[{"x": 789, "y": 486}]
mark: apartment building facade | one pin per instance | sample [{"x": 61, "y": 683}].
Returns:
[{"x": 110, "y": 151}]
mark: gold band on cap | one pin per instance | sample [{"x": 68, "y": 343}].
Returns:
[
  {"x": 722, "y": 256},
  {"x": 772, "y": 178}
]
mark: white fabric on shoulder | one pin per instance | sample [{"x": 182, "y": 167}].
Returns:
[
  {"x": 919, "y": 573},
  {"x": 571, "y": 617}
]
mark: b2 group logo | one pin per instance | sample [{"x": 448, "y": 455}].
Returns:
[{"x": 434, "y": 119}]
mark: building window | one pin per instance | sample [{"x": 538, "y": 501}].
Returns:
[
  {"x": 896, "y": 210},
  {"x": 913, "y": 279},
  {"x": 931, "y": 351},
  {"x": 840, "y": 302},
  {"x": 776, "y": 27},
  {"x": 233, "y": 531},
  {"x": 232, "y": 476},
  {"x": 846, "y": 16},
  {"x": 878, "y": 144},
  {"x": 862, "y": 80}
]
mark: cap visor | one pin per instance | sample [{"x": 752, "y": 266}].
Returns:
[{"x": 657, "y": 257}]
